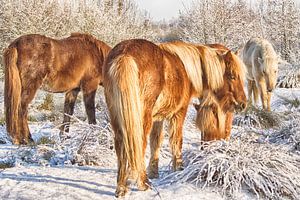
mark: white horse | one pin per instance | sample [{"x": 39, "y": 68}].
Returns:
[{"x": 261, "y": 61}]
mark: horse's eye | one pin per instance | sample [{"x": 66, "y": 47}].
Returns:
[{"x": 232, "y": 77}]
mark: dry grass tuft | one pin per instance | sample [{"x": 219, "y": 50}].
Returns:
[
  {"x": 254, "y": 117},
  {"x": 48, "y": 103},
  {"x": 266, "y": 170}
]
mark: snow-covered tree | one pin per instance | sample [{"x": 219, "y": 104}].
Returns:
[
  {"x": 109, "y": 20},
  {"x": 233, "y": 23}
]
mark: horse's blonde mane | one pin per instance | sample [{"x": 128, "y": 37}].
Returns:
[
  {"x": 212, "y": 66},
  {"x": 207, "y": 115},
  {"x": 191, "y": 60},
  {"x": 196, "y": 64}
]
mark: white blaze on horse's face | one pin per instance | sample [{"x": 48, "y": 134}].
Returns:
[{"x": 269, "y": 69}]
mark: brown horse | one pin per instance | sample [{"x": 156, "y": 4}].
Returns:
[
  {"x": 68, "y": 65},
  {"x": 145, "y": 84},
  {"x": 215, "y": 113}
]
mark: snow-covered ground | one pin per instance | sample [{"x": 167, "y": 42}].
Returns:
[{"x": 83, "y": 165}]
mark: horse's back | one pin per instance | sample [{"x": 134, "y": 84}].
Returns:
[
  {"x": 254, "y": 49},
  {"x": 146, "y": 54},
  {"x": 66, "y": 63}
]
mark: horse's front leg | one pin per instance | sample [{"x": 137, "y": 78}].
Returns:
[
  {"x": 263, "y": 92},
  {"x": 228, "y": 125},
  {"x": 70, "y": 99},
  {"x": 89, "y": 102},
  {"x": 156, "y": 138},
  {"x": 269, "y": 94},
  {"x": 176, "y": 125},
  {"x": 250, "y": 90}
]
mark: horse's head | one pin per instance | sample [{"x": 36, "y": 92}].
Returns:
[
  {"x": 269, "y": 68},
  {"x": 233, "y": 89}
]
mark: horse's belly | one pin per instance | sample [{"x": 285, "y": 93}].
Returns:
[
  {"x": 165, "y": 107},
  {"x": 58, "y": 85}
]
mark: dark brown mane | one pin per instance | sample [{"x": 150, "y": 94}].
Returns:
[{"x": 102, "y": 46}]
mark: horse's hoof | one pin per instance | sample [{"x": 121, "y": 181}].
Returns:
[
  {"x": 16, "y": 141},
  {"x": 30, "y": 140},
  {"x": 63, "y": 135},
  {"x": 153, "y": 175},
  {"x": 153, "y": 169},
  {"x": 178, "y": 166},
  {"x": 121, "y": 191},
  {"x": 143, "y": 186}
]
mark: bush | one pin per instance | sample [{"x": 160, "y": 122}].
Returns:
[
  {"x": 289, "y": 78},
  {"x": 47, "y": 104},
  {"x": 266, "y": 170}
]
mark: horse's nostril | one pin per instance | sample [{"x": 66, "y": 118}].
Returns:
[{"x": 270, "y": 90}]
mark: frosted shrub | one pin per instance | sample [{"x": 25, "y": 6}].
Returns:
[{"x": 266, "y": 170}]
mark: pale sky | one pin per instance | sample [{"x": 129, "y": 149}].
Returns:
[{"x": 162, "y": 9}]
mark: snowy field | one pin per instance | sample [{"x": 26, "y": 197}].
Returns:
[{"x": 261, "y": 160}]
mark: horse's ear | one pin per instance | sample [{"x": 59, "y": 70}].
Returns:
[
  {"x": 197, "y": 106},
  {"x": 228, "y": 53},
  {"x": 223, "y": 53},
  {"x": 260, "y": 60}
]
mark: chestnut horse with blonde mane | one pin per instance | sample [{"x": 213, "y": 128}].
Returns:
[
  {"x": 68, "y": 65},
  {"x": 215, "y": 113},
  {"x": 145, "y": 84}
]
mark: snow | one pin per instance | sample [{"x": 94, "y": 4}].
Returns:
[{"x": 82, "y": 164}]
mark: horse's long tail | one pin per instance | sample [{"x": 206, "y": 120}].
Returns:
[
  {"x": 126, "y": 107},
  {"x": 12, "y": 93}
]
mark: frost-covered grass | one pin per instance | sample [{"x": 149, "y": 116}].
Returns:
[
  {"x": 289, "y": 78},
  {"x": 243, "y": 164},
  {"x": 256, "y": 117}
]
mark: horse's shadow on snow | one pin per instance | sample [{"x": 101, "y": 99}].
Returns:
[{"x": 90, "y": 186}]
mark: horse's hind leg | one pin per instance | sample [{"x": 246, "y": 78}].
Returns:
[
  {"x": 143, "y": 181},
  {"x": 69, "y": 105},
  {"x": 176, "y": 125},
  {"x": 26, "y": 97},
  {"x": 122, "y": 166},
  {"x": 89, "y": 102},
  {"x": 156, "y": 138}
]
